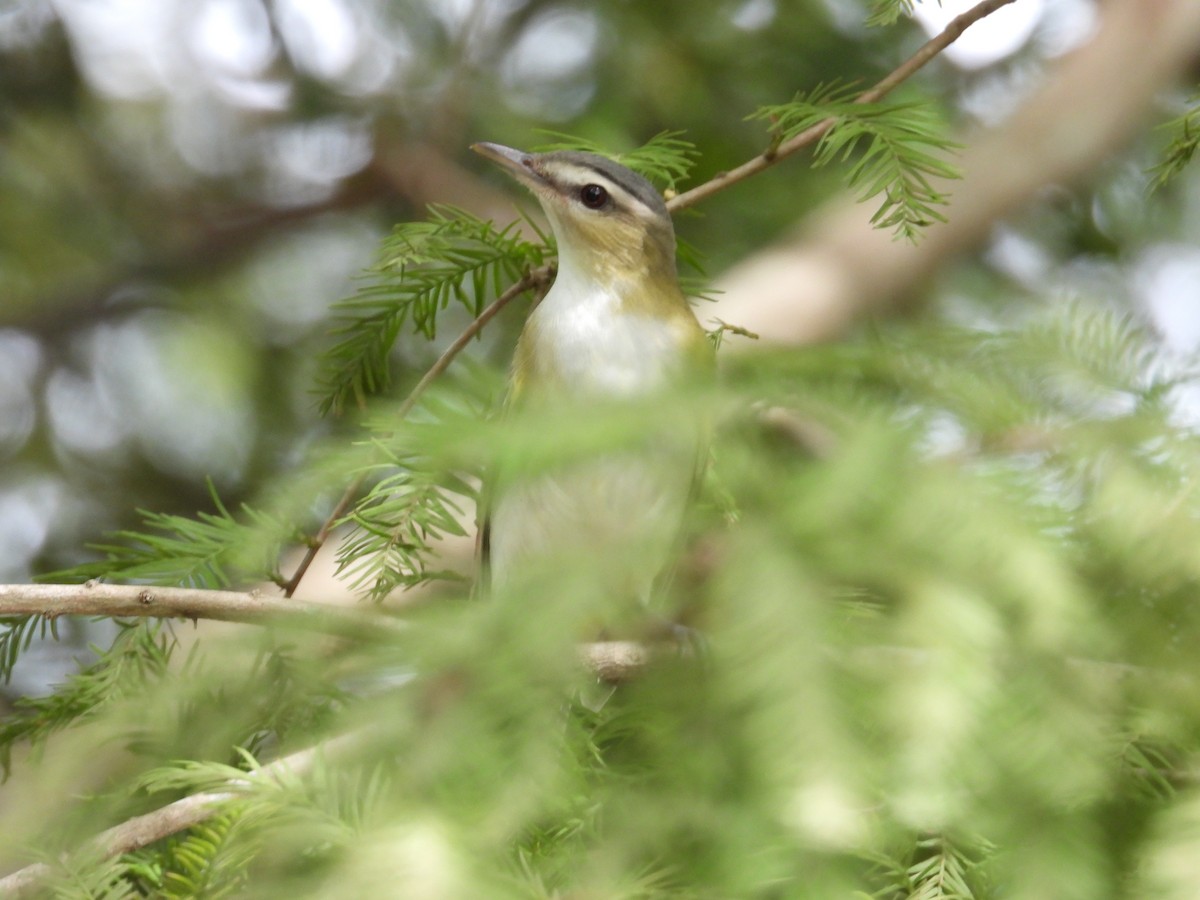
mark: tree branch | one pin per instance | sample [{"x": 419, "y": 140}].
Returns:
[
  {"x": 140, "y": 831},
  {"x": 531, "y": 279},
  {"x": 817, "y": 285},
  {"x": 610, "y": 661},
  {"x": 772, "y": 154},
  {"x": 94, "y": 598}
]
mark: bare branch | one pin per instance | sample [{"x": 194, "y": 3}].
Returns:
[
  {"x": 610, "y": 661},
  {"x": 96, "y": 599}
]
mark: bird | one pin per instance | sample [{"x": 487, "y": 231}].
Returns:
[{"x": 614, "y": 325}]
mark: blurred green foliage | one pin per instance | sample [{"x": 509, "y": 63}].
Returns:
[
  {"x": 946, "y": 657},
  {"x": 945, "y": 570}
]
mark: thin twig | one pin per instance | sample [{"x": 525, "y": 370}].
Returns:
[
  {"x": 94, "y": 598},
  {"x": 774, "y": 153},
  {"x": 531, "y": 279}
]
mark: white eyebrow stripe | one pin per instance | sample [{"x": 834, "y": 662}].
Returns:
[
  {"x": 628, "y": 190},
  {"x": 577, "y": 175}
]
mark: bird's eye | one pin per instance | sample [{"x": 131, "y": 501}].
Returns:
[{"x": 593, "y": 196}]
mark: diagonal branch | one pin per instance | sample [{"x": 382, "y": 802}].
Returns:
[
  {"x": 929, "y": 50},
  {"x": 140, "y": 831},
  {"x": 532, "y": 279},
  {"x": 835, "y": 270}
]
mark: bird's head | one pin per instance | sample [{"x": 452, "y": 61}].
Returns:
[{"x": 610, "y": 223}]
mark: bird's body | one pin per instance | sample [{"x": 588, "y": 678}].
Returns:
[
  {"x": 582, "y": 339},
  {"x": 614, "y": 325}
]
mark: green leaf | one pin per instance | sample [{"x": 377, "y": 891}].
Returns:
[
  {"x": 423, "y": 268},
  {"x": 412, "y": 505},
  {"x": 138, "y": 657},
  {"x": 893, "y": 150},
  {"x": 212, "y": 550},
  {"x": 16, "y": 634},
  {"x": 1184, "y": 131},
  {"x": 210, "y": 860},
  {"x": 888, "y": 12}
]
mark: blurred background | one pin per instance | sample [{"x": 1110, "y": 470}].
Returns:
[{"x": 187, "y": 186}]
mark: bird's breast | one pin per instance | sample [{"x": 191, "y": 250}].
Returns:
[{"x": 596, "y": 341}]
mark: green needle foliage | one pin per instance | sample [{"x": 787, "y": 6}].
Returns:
[
  {"x": 889, "y": 12},
  {"x": 945, "y": 578},
  {"x": 398, "y": 523},
  {"x": 894, "y": 149},
  {"x": 16, "y": 634},
  {"x": 210, "y": 861},
  {"x": 136, "y": 660},
  {"x": 936, "y": 663},
  {"x": 423, "y": 268},
  {"x": 941, "y": 870},
  {"x": 213, "y": 550},
  {"x": 1184, "y": 132},
  {"x": 413, "y": 501}
]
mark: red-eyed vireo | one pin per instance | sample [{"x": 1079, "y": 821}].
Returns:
[{"x": 613, "y": 325}]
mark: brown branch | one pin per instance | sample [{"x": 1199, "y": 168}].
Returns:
[
  {"x": 610, "y": 661},
  {"x": 96, "y": 599},
  {"x": 816, "y": 284},
  {"x": 774, "y": 154},
  {"x": 615, "y": 662},
  {"x": 141, "y": 831},
  {"x": 531, "y": 279}
]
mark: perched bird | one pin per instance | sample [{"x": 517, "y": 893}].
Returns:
[{"x": 613, "y": 325}]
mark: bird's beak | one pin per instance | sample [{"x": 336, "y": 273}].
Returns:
[{"x": 516, "y": 163}]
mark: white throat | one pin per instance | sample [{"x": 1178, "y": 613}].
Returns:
[{"x": 594, "y": 345}]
